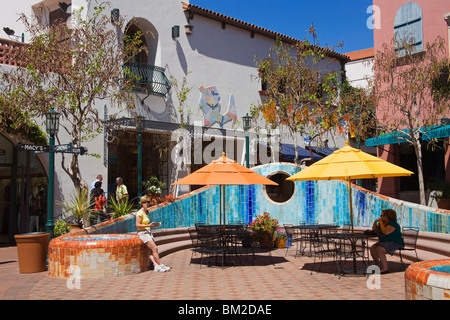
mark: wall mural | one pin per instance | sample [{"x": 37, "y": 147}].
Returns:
[{"x": 210, "y": 105}]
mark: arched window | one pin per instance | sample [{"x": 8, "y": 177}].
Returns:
[
  {"x": 408, "y": 25},
  {"x": 142, "y": 56}
]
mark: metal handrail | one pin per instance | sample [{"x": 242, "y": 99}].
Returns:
[{"x": 148, "y": 77}]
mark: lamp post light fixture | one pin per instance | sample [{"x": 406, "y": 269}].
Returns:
[
  {"x": 175, "y": 32},
  {"x": 115, "y": 15},
  {"x": 52, "y": 126},
  {"x": 140, "y": 125},
  {"x": 246, "y": 124}
]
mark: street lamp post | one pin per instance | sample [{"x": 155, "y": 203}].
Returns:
[
  {"x": 246, "y": 124},
  {"x": 140, "y": 129},
  {"x": 52, "y": 126}
]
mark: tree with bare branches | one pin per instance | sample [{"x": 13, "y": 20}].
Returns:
[
  {"x": 408, "y": 104},
  {"x": 299, "y": 94},
  {"x": 70, "y": 67}
]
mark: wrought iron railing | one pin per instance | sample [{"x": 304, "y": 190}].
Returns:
[{"x": 148, "y": 77}]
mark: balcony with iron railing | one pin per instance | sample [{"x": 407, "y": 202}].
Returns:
[{"x": 148, "y": 78}]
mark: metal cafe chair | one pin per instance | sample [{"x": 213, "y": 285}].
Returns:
[
  {"x": 295, "y": 237},
  {"x": 410, "y": 235},
  {"x": 195, "y": 242},
  {"x": 323, "y": 246},
  {"x": 211, "y": 244}
]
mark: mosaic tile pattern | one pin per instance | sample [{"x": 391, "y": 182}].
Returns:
[
  {"x": 424, "y": 283},
  {"x": 96, "y": 256},
  {"x": 313, "y": 201}
]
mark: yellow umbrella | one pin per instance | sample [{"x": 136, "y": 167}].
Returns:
[{"x": 349, "y": 163}]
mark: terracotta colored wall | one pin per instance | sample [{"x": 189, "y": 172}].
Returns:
[
  {"x": 434, "y": 24},
  {"x": 389, "y": 186},
  {"x": 433, "y": 12}
]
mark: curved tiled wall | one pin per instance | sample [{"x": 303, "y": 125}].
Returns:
[
  {"x": 424, "y": 283},
  {"x": 96, "y": 256},
  {"x": 321, "y": 201}
]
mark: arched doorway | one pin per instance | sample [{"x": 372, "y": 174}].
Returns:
[{"x": 23, "y": 192}]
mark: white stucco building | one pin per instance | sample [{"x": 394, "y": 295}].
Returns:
[
  {"x": 215, "y": 53},
  {"x": 359, "y": 70}
]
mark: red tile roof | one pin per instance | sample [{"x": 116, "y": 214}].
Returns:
[
  {"x": 193, "y": 9},
  {"x": 361, "y": 54}
]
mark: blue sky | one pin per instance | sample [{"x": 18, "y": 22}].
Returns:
[{"x": 334, "y": 20}]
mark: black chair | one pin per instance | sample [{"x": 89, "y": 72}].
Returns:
[
  {"x": 323, "y": 246},
  {"x": 410, "y": 235},
  {"x": 211, "y": 244},
  {"x": 194, "y": 240},
  {"x": 294, "y": 236}
]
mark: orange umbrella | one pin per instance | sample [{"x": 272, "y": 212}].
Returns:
[{"x": 224, "y": 171}]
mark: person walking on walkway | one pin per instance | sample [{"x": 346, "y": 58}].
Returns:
[{"x": 143, "y": 226}]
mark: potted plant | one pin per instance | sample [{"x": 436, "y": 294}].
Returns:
[
  {"x": 80, "y": 207},
  {"x": 122, "y": 208},
  {"x": 263, "y": 227},
  {"x": 440, "y": 191},
  {"x": 169, "y": 198},
  {"x": 61, "y": 227},
  {"x": 153, "y": 188},
  {"x": 280, "y": 238}
]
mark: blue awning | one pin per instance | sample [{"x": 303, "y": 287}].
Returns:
[
  {"x": 323, "y": 151},
  {"x": 396, "y": 136},
  {"x": 288, "y": 152}
]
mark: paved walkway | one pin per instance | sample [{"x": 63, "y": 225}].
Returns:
[{"x": 289, "y": 279}]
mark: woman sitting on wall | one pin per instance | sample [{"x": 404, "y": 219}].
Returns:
[{"x": 143, "y": 226}]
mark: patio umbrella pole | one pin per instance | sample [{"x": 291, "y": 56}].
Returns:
[
  {"x": 350, "y": 197},
  {"x": 223, "y": 204}
]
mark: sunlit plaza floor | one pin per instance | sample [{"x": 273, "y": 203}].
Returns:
[{"x": 280, "y": 278}]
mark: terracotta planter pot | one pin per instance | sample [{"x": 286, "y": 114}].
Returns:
[
  {"x": 265, "y": 240},
  {"x": 32, "y": 251},
  {"x": 280, "y": 243},
  {"x": 75, "y": 227},
  {"x": 155, "y": 198}
]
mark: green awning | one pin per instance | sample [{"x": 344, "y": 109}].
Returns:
[{"x": 396, "y": 136}]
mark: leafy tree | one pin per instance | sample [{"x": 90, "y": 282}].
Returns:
[
  {"x": 70, "y": 68},
  {"x": 360, "y": 105},
  {"x": 406, "y": 95},
  {"x": 298, "y": 95}
]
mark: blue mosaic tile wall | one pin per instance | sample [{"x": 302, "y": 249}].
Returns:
[{"x": 312, "y": 201}]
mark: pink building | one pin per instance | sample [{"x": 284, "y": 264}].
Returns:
[{"x": 426, "y": 19}]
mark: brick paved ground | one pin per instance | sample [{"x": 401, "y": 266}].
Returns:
[{"x": 289, "y": 279}]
